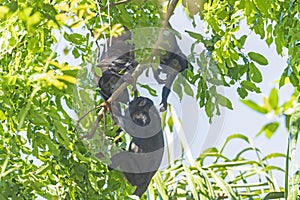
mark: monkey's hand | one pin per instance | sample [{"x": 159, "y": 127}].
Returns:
[
  {"x": 163, "y": 108},
  {"x": 106, "y": 105},
  {"x": 164, "y": 99}
]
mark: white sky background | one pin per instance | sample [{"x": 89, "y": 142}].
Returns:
[{"x": 242, "y": 119}]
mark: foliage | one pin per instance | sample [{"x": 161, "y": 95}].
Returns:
[
  {"x": 215, "y": 176},
  {"x": 41, "y": 154}
]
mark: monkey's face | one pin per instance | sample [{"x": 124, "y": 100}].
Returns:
[
  {"x": 174, "y": 63},
  {"x": 108, "y": 83},
  {"x": 177, "y": 62},
  {"x": 139, "y": 111}
]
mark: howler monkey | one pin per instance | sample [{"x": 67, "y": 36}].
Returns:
[
  {"x": 172, "y": 62},
  {"x": 142, "y": 160},
  {"x": 115, "y": 62}
]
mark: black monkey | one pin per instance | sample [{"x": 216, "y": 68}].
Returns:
[
  {"x": 171, "y": 67},
  {"x": 142, "y": 160},
  {"x": 115, "y": 62},
  {"x": 119, "y": 59},
  {"x": 172, "y": 62}
]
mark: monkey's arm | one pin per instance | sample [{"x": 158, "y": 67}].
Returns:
[{"x": 166, "y": 91}]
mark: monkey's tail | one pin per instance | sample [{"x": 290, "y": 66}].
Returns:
[{"x": 140, "y": 189}]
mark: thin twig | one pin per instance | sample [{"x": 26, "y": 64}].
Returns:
[
  {"x": 101, "y": 22},
  {"x": 109, "y": 24},
  {"x": 103, "y": 137},
  {"x": 83, "y": 116},
  {"x": 93, "y": 131},
  {"x": 93, "y": 35},
  {"x": 116, "y": 3}
]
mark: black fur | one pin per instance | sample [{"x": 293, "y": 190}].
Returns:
[{"x": 142, "y": 160}]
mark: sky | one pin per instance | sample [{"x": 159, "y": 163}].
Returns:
[{"x": 243, "y": 119}]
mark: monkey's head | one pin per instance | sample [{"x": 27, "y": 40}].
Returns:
[
  {"x": 177, "y": 62},
  {"x": 108, "y": 83},
  {"x": 139, "y": 111}
]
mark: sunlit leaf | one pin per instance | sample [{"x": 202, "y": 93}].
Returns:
[
  {"x": 269, "y": 129},
  {"x": 2, "y": 115},
  {"x": 273, "y": 98},
  {"x": 3, "y": 11},
  {"x": 254, "y": 106},
  {"x": 67, "y": 78}
]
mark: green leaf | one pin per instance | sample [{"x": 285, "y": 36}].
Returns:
[
  {"x": 150, "y": 90},
  {"x": 67, "y": 78},
  {"x": 194, "y": 35},
  {"x": 224, "y": 101},
  {"x": 2, "y": 115},
  {"x": 188, "y": 89},
  {"x": 295, "y": 123},
  {"x": 98, "y": 71},
  {"x": 274, "y": 155},
  {"x": 262, "y": 6},
  {"x": 161, "y": 187},
  {"x": 242, "y": 40},
  {"x": 283, "y": 77},
  {"x": 223, "y": 185},
  {"x": 38, "y": 118},
  {"x": 269, "y": 129},
  {"x": 209, "y": 108},
  {"x": 273, "y": 98},
  {"x": 75, "y": 38},
  {"x": 3, "y": 11},
  {"x": 170, "y": 123},
  {"x": 75, "y": 53},
  {"x": 294, "y": 79},
  {"x": 177, "y": 87},
  {"x": 191, "y": 181},
  {"x": 13, "y": 6},
  {"x": 260, "y": 59},
  {"x": 274, "y": 195},
  {"x": 269, "y": 37},
  {"x": 34, "y": 19},
  {"x": 242, "y": 92},
  {"x": 293, "y": 185},
  {"x": 85, "y": 97},
  {"x": 255, "y": 74},
  {"x": 250, "y": 86},
  {"x": 254, "y": 106}
]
